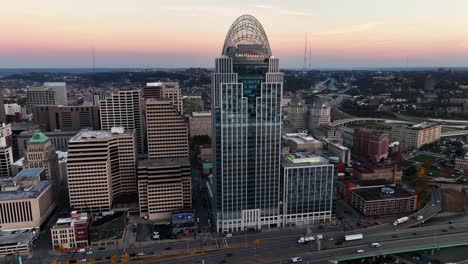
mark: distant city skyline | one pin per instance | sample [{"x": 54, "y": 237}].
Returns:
[{"x": 176, "y": 33}]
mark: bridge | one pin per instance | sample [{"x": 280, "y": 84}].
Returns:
[{"x": 360, "y": 120}]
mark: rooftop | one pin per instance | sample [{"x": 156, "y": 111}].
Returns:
[
  {"x": 366, "y": 183},
  {"x": 374, "y": 194},
  {"x": 372, "y": 167},
  {"x": 300, "y": 138},
  {"x": 98, "y": 134},
  {"x": 164, "y": 162},
  {"x": 201, "y": 114},
  {"x": 303, "y": 159},
  {"x": 17, "y": 237},
  {"x": 38, "y": 138},
  {"x": 422, "y": 125},
  {"x": 72, "y": 220},
  {"x": 37, "y": 190},
  {"x": 28, "y": 173}
]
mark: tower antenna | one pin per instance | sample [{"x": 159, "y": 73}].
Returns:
[
  {"x": 305, "y": 53},
  {"x": 310, "y": 55}
]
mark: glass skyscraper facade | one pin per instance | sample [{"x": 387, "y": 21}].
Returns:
[{"x": 246, "y": 96}]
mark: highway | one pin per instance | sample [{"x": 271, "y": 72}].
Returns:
[{"x": 275, "y": 240}]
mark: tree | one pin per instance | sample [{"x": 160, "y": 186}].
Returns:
[
  {"x": 421, "y": 172},
  {"x": 66, "y": 262},
  {"x": 125, "y": 257},
  {"x": 91, "y": 261},
  {"x": 54, "y": 262},
  {"x": 115, "y": 258},
  {"x": 427, "y": 164},
  {"x": 256, "y": 243}
]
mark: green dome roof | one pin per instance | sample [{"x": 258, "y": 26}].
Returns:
[{"x": 38, "y": 137}]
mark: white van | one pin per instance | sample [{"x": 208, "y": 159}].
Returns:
[{"x": 296, "y": 260}]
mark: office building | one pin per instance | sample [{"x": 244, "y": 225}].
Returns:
[
  {"x": 101, "y": 165},
  {"x": 17, "y": 243},
  {"x": 71, "y": 232},
  {"x": 13, "y": 109},
  {"x": 200, "y": 124},
  {"x": 302, "y": 142},
  {"x": 343, "y": 153},
  {"x": 41, "y": 154},
  {"x": 124, "y": 109},
  {"x": 369, "y": 145},
  {"x": 25, "y": 200},
  {"x": 2, "y": 109},
  {"x": 167, "y": 130},
  {"x": 415, "y": 136},
  {"x": 192, "y": 104},
  {"x": 66, "y": 118},
  {"x": 296, "y": 116},
  {"x": 52, "y": 93},
  {"x": 164, "y": 186},
  {"x": 58, "y": 139},
  {"x": 246, "y": 97},
  {"x": 6, "y": 161},
  {"x": 309, "y": 182},
  {"x": 374, "y": 171},
  {"x": 381, "y": 201},
  {"x": 328, "y": 132},
  {"x": 319, "y": 114},
  {"x": 165, "y": 90}
]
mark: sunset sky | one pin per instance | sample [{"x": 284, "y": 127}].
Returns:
[{"x": 175, "y": 33}]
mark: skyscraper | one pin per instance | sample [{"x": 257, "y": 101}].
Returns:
[
  {"x": 167, "y": 130},
  {"x": 40, "y": 154},
  {"x": 123, "y": 109},
  {"x": 247, "y": 91},
  {"x": 52, "y": 93},
  {"x": 164, "y": 90},
  {"x": 2, "y": 108},
  {"x": 319, "y": 115},
  {"x": 66, "y": 118},
  {"x": 101, "y": 165}
]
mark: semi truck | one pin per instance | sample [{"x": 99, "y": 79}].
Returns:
[
  {"x": 306, "y": 239},
  {"x": 400, "y": 220},
  {"x": 353, "y": 237}
]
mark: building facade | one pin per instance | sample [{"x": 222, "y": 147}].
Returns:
[
  {"x": 247, "y": 91},
  {"x": 200, "y": 124},
  {"x": 309, "y": 189},
  {"x": 375, "y": 171},
  {"x": 319, "y": 114},
  {"x": 370, "y": 146},
  {"x": 2, "y": 109},
  {"x": 40, "y": 153},
  {"x": 58, "y": 139},
  {"x": 26, "y": 201},
  {"x": 66, "y": 118},
  {"x": 52, "y": 93},
  {"x": 415, "y": 136},
  {"x": 383, "y": 201},
  {"x": 124, "y": 109},
  {"x": 167, "y": 130},
  {"x": 71, "y": 232},
  {"x": 302, "y": 142},
  {"x": 165, "y": 90},
  {"x": 164, "y": 187},
  {"x": 101, "y": 165}
]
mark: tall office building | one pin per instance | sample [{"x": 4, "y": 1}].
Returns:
[
  {"x": 164, "y": 186},
  {"x": 370, "y": 145},
  {"x": 66, "y": 118},
  {"x": 40, "y": 154},
  {"x": 101, "y": 165},
  {"x": 308, "y": 194},
  {"x": 319, "y": 114},
  {"x": 123, "y": 109},
  {"x": 2, "y": 108},
  {"x": 167, "y": 130},
  {"x": 52, "y": 93},
  {"x": 6, "y": 160},
  {"x": 247, "y": 90},
  {"x": 164, "y": 90}
]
